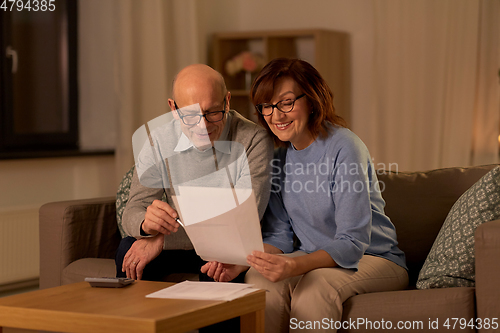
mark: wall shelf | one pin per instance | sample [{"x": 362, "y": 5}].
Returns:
[{"x": 328, "y": 51}]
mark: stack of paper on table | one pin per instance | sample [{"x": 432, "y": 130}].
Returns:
[{"x": 217, "y": 291}]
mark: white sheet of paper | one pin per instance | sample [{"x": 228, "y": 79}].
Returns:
[
  {"x": 218, "y": 291},
  {"x": 228, "y": 233},
  {"x": 202, "y": 203}
]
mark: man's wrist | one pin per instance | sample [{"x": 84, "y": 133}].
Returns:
[{"x": 242, "y": 268}]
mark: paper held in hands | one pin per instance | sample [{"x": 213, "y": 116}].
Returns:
[
  {"x": 222, "y": 223},
  {"x": 211, "y": 189},
  {"x": 216, "y": 291}
]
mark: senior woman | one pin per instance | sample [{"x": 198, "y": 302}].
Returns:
[{"x": 326, "y": 237}]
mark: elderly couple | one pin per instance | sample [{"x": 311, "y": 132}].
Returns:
[{"x": 319, "y": 248}]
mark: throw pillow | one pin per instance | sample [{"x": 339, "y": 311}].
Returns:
[
  {"x": 122, "y": 198},
  {"x": 451, "y": 261}
]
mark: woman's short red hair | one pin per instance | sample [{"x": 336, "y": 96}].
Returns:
[{"x": 318, "y": 93}]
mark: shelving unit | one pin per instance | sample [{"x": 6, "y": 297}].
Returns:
[{"x": 328, "y": 51}]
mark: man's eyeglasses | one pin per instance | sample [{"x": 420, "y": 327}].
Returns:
[
  {"x": 194, "y": 119},
  {"x": 284, "y": 106}
]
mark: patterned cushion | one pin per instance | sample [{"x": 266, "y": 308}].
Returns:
[
  {"x": 451, "y": 260},
  {"x": 122, "y": 197}
]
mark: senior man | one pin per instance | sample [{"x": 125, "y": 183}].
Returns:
[{"x": 155, "y": 246}]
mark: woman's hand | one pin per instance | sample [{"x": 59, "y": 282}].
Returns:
[
  {"x": 222, "y": 272},
  {"x": 277, "y": 267},
  {"x": 272, "y": 266}
]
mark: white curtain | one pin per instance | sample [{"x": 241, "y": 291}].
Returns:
[
  {"x": 154, "y": 39},
  {"x": 435, "y": 83}
]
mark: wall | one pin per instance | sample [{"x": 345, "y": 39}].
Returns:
[
  {"x": 215, "y": 16},
  {"x": 38, "y": 181}
]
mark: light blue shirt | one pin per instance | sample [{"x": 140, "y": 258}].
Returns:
[{"x": 328, "y": 196}]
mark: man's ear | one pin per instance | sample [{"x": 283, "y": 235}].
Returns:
[
  {"x": 171, "y": 104},
  {"x": 228, "y": 98}
]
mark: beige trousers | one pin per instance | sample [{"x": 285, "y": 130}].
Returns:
[{"x": 319, "y": 294}]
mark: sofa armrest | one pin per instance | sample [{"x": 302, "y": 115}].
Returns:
[
  {"x": 487, "y": 250},
  {"x": 71, "y": 230}
]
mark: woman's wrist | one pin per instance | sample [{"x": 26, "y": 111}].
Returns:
[
  {"x": 268, "y": 248},
  {"x": 293, "y": 267},
  {"x": 314, "y": 260}
]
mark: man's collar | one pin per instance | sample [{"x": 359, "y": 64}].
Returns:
[{"x": 184, "y": 143}]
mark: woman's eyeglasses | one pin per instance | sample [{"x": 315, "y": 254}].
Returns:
[{"x": 284, "y": 106}]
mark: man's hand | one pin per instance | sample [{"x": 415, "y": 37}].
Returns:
[
  {"x": 160, "y": 218},
  {"x": 222, "y": 272},
  {"x": 141, "y": 253}
]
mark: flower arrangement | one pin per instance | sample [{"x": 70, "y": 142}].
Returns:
[{"x": 244, "y": 61}]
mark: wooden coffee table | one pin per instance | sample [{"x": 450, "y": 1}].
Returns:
[{"x": 80, "y": 308}]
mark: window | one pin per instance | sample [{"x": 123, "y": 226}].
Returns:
[{"x": 38, "y": 81}]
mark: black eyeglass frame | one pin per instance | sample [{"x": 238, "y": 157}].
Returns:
[
  {"x": 259, "y": 107},
  {"x": 201, "y": 115}
]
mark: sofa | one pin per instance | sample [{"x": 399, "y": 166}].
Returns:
[{"x": 78, "y": 239}]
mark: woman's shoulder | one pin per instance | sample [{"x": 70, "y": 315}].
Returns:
[{"x": 343, "y": 138}]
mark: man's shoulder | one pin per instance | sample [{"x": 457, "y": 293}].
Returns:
[{"x": 243, "y": 129}]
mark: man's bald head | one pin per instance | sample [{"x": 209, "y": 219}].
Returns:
[
  {"x": 200, "y": 85},
  {"x": 198, "y": 76}
]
